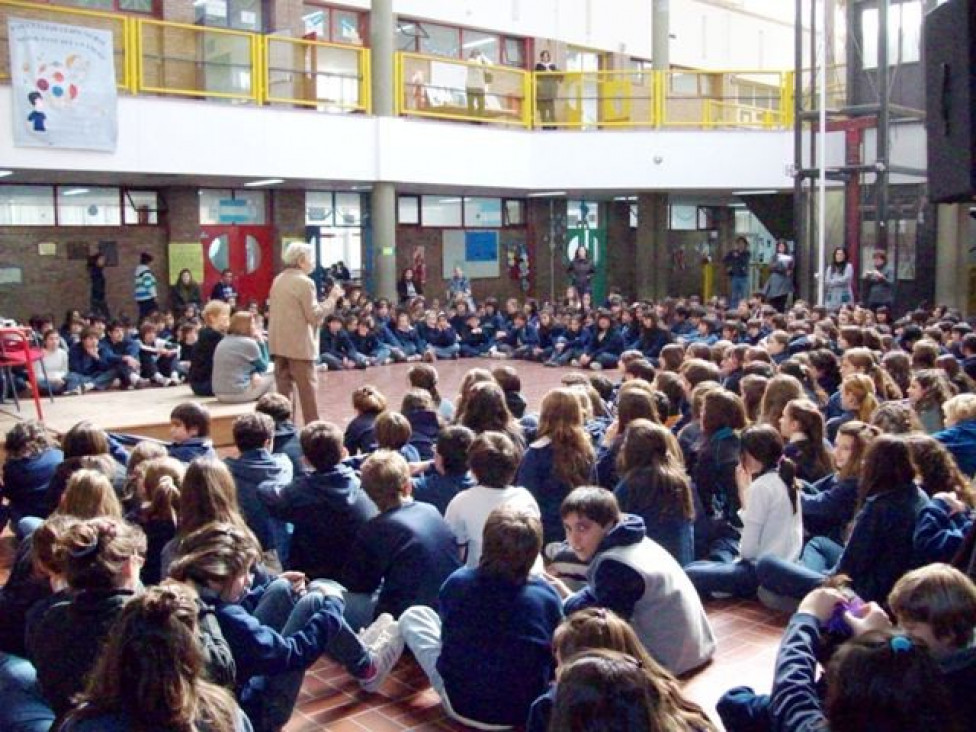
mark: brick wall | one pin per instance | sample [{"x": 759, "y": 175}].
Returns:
[
  {"x": 435, "y": 285},
  {"x": 53, "y": 284}
]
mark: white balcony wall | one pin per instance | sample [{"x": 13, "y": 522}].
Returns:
[{"x": 194, "y": 139}]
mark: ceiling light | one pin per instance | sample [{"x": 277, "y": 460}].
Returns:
[
  {"x": 75, "y": 192},
  {"x": 754, "y": 193},
  {"x": 546, "y": 194},
  {"x": 5, "y": 173},
  {"x": 265, "y": 182}
]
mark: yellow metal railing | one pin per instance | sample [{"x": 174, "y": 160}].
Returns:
[
  {"x": 326, "y": 76},
  {"x": 178, "y": 59},
  {"x": 119, "y": 25},
  {"x": 444, "y": 88}
]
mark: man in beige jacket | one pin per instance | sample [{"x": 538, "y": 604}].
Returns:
[{"x": 293, "y": 333}]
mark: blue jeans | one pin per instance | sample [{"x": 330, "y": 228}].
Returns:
[
  {"x": 743, "y": 710},
  {"x": 729, "y": 578},
  {"x": 24, "y": 708},
  {"x": 787, "y": 578},
  {"x": 740, "y": 290},
  {"x": 445, "y": 351},
  {"x": 360, "y": 607},
  {"x": 270, "y": 700},
  {"x": 71, "y": 381}
]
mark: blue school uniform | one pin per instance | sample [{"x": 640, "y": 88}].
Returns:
[{"x": 436, "y": 489}]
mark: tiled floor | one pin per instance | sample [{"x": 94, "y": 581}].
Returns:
[{"x": 747, "y": 633}]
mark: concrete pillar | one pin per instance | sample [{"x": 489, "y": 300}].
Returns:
[
  {"x": 953, "y": 257},
  {"x": 652, "y": 261},
  {"x": 661, "y": 35},
  {"x": 384, "y": 199}
]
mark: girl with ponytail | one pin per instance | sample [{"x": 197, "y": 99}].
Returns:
[
  {"x": 162, "y": 479},
  {"x": 802, "y": 426},
  {"x": 151, "y": 674},
  {"x": 771, "y": 516}
]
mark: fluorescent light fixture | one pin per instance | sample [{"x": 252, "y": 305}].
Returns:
[
  {"x": 625, "y": 198},
  {"x": 360, "y": 188},
  {"x": 449, "y": 200},
  {"x": 547, "y": 194},
  {"x": 75, "y": 192},
  {"x": 754, "y": 193},
  {"x": 5, "y": 173},
  {"x": 265, "y": 182}
]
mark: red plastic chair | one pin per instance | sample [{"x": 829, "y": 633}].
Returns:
[{"x": 16, "y": 352}]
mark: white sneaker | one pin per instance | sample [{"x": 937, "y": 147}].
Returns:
[
  {"x": 596, "y": 366},
  {"x": 158, "y": 378},
  {"x": 370, "y": 634},
  {"x": 73, "y": 392},
  {"x": 384, "y": 655}
]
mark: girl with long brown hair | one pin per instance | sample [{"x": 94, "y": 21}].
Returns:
[
  {"x": 560, "y": 459},
  {"x": 802, "y": 426},
  {"x": 655, "y": 486}
]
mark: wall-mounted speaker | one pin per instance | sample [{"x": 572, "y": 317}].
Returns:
[{"x": 950, "y": 94}]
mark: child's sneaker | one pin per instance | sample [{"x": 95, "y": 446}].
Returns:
[
  {"x": 158, "y": 378},
  {"x": 370, "y": 634},
  {"x": 73, "y": 392},
  {"x": 384, "y": 654}
]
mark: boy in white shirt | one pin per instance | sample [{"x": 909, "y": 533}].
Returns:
[{"x": 493, "y": 459}]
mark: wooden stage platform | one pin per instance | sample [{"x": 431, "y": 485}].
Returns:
[{"x": 146, "y": 411}]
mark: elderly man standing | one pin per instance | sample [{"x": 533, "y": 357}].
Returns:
[{"x": 293, "y": 333}]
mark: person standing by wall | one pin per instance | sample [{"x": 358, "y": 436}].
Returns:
[
  {"x": 96, "y": 271},
  {"x": 779, "y": 286},
  {"x": 476, "y": 83},
  {"x": 293, "y": 333},
  {"x": 547, "y": 89},
  {"x": 581, "y": 271},
  {"x": 837, "y": 280},
  {"x": 879, "y": 281},
  {"x": 736, "y": 264},
  {"x": 145, "y": 286}
]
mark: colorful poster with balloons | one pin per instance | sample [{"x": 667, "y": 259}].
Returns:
[{"x": 63, "y": 84}]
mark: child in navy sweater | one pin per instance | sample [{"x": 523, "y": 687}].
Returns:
[
  {"x": 448, "y": 475},
  {"x": 425, "y": 424},
  {"x": 487, "y": 652},
  {"x": 189, "y": 428},
  {"x": 400, "y": 557},
  {"x": 326, "y": 507}
]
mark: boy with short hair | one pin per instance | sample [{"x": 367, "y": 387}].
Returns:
[
  {"x": 488, "y": 652},
  {"x": 449, "y": 473},
  {"x": 636, "y": 578},
  {"x": 122, "y": 353},
  {"x": 285, "y": 441},
  {"x": 400, "y": 557},
  {"x": 327, "y": 507},
  {"x": 157, "y": 360},
  {"x": 88, "y": 363},
  {"x": 494, "y": 460},
  {"x": 257, "y": 467},
  {"x": 189, "y": 428},
  {"x": 336, "y": 349}
]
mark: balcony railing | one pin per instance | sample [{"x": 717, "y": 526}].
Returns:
[{"x": 176, "y": 59}]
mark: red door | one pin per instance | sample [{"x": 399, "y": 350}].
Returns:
[{"x": 247, "y": 251}]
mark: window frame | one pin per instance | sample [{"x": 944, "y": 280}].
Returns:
[
  {"x": 155, "y": 12},
  {"x": 362, "y": 23},
  {"x": 502, "y": 39},
  {"x": 56, "y": 190}
]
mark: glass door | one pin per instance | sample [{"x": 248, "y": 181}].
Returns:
[{"x": 586, "y": 228}]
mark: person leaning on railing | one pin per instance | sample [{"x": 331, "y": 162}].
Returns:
[{"x": 547, "y": 89}]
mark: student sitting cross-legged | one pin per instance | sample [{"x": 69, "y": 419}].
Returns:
[
  {"x": 487, "y": 650},
  {"x": 637, "y": 579},
  {"x": 400, "y": 557},
  {"x": 326, "y": 506}
]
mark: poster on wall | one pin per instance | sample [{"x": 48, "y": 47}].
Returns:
[
  {"x": 63, "y": 86},
  {"x": 475, "y": 252},
  {"x": 185, "y": 255}
]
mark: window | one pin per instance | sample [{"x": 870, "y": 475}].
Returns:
[
  {"x": 904, "y": 34},
  {"x": 27, "y": 205},
  {"x": 682, "y": 218},
  {"x": 408, "y": 210},
  {"x": 583, "y": 214},
  {"x": 236, "y": 14},
  {"x": 82, "y": 206},
  {"x": 514, "y": 212},
  {"x": 125, "y": 6},
  {"x": 440, "y": 40},
  {"x": 487, "y": 43},
  {"x": 514, "y": 52},
  {"x": 225, "y": 206},
  {"x": 328, "y": 208},
  {"x": 440, "y": 210},
  {"x": 141, "y": 208},
  {"x": 334, "y": 25},
  {"x": 483, "y": 212}
]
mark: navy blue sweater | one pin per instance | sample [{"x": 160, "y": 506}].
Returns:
[
  {"x": 438, "y": 490},
  {"x": 497, "y": 644},
  {"x": 960, "y": 440},
  {"x": 537, "y": 474},
  {"x": 425, "y": 426},
  {"x": 327, "y": 508},
  {"x": 360, "y": 434},
  {"x": 410, "y": 550},
  {"x": 938, "y": 535},
  {"x": 880, "y": 549},
  {"x": 828, "y": 506},
  {"x": 25, "y": 481}
]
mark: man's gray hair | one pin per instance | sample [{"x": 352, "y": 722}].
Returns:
[{"x": 295, "y": 251}]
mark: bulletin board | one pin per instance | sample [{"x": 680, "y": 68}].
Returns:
[
  {"x": 475, "y": 252},
  {"x": 185, "y": 255}
]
